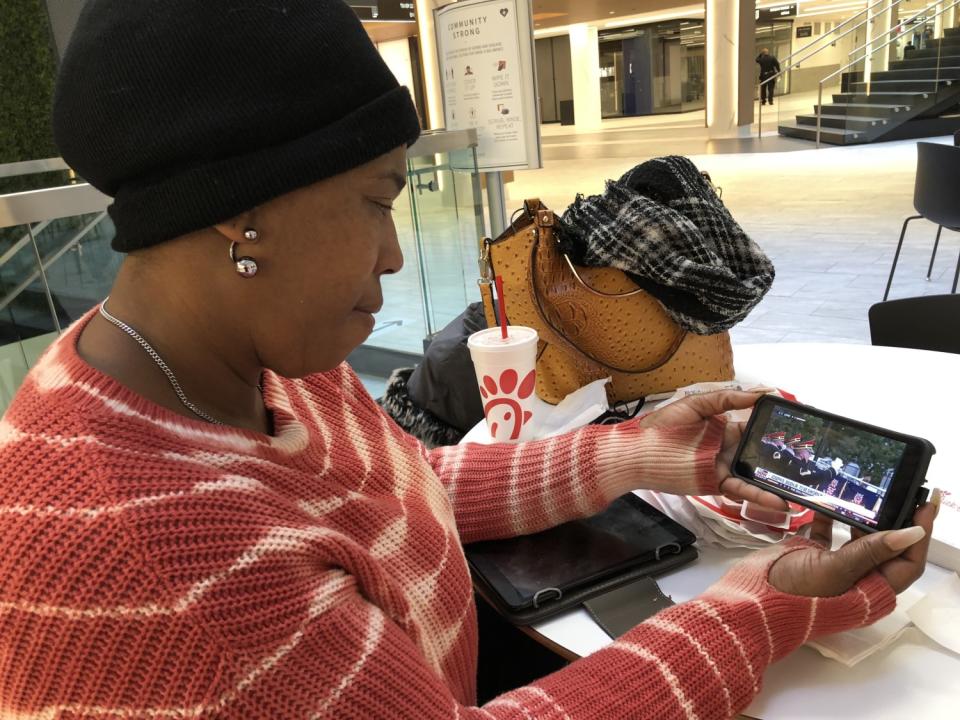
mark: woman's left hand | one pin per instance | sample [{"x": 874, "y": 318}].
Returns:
[{"x": 697, "y": 408}]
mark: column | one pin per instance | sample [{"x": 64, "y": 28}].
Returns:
[
  {"x": 938, "y": 20},
  {"x": 723, "y": 66},
  {"x": 747, "y": 58},
  {"x": 428, "y": 61},
  {"x": 585, "y": 66},
  {"x": 893, "y": 22},
  {"x": 881, "y": 20}
]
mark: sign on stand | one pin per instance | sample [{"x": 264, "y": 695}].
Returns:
[{"x": 485, "y": 50}]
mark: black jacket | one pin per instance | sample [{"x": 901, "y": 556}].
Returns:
[{"x": 769, "y": 65}]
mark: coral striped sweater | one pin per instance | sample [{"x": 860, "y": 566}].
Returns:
[{"x": 158, "y": 567}]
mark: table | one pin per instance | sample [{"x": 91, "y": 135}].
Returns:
[{"x": 912, "y": 391}]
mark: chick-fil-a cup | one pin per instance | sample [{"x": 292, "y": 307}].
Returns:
[{"x": 507, "y": 375}]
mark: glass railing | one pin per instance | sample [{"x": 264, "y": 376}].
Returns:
[
  {"x": 56, "y": 262},
  {"x": 883, "y": 86},
  {"x": 809, "y": 55},
  {"x": 439, "y": 220}
]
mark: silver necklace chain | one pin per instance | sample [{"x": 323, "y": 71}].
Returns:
[{"x": 160, "y": 363}]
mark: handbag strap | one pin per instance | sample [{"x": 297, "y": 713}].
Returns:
[
  {"x": 486, "y": 285},
  {"x": 489, "y": 313},
  {"x": 544, "y": 226},
  {"x": 545, "y": 218}
]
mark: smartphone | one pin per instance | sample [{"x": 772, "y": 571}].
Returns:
[{"x": 862, "y": 475}]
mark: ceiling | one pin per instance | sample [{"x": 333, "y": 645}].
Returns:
[
  {"x": 550, "y": 13},
  {"x": 554, "y": 13},
  {"x": 560, "y": 13},
  {"x": 386, "y": 31}
]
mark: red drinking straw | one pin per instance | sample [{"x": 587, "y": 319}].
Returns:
[{"x": 502, "y": 305}]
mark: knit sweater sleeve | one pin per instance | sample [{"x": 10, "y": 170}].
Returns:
[
  {"x": 508, "y": 490},
  {"x": 702, "y": 659}
]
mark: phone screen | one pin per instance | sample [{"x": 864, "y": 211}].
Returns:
[{"x": 846, "y": 469}]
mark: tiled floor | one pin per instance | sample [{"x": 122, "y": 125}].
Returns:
[{"x": 828, "y": 218}]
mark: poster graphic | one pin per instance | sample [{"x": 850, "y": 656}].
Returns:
[{"x": 488, "y": 81}]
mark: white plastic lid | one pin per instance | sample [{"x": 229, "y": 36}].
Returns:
[{"x": 491, "y": 339}]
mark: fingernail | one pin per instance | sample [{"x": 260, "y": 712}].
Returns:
[
  {"x": 900, "y": 540},
  {"x": 763, "y": 390},
  {"x": 935, "y": 499}
]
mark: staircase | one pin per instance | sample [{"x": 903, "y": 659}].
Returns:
[{"x": 899, "y": 102}]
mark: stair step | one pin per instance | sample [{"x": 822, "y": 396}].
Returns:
[
  {"x": 863, "y": 109},
  {"x": 907, "y": 86},
  {"x": 952, "y": 73},
  {"x": 906, "y": 100},
  {"x": 945, "y": 40},
  {"x": 844, "y": 122},
  {"x": 913, "y": 62},
  {"x": 951, "y": 48},
  {"x": 831, "y": 136},
  {"x": 888, "y": 98},
  {"x": 904, "y": 85}
]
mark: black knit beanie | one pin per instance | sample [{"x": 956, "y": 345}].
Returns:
[{"x": 190, "y": 112}]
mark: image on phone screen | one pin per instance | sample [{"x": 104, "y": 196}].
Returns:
[{"x": 845, "y": 469}]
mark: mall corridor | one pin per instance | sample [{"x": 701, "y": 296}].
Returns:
[{"x": 829, "y": 218}]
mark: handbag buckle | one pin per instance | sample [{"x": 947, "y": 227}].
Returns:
[{"x": 486, "y": 269}]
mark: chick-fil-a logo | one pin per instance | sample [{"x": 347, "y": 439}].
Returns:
[{"x": 502, "y": 402}]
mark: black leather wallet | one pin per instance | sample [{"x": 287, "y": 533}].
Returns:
[{"x": 530, "y": 578}]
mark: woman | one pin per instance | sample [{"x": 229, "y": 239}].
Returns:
[{"x": 205, "y": 514}]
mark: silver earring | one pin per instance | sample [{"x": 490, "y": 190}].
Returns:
[
  {"x": 246, "y": 266},
  {"x": 251, "y": 235}
]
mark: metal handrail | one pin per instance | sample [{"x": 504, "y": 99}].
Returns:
[
  {"x": 33, "y": 206},
  {"x": 835, "y": 29},
  {"x": 873, "y": 50},
  {"x": 892, "y": 29},
  {"x": 32, "y": 167},
  {"x": 795, "y": 65},
  {"x": 872, "y": 40}
]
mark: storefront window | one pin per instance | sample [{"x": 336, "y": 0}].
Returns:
[
  {"x": 555, "y": 77},
  {"x": 777, "y": 37},
  {"x": 652, "y": 69}
]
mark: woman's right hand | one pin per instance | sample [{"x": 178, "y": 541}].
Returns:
[{"x": 899, "y": 556}]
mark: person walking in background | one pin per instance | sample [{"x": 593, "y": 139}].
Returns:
[{"x": 769, "y": 67}]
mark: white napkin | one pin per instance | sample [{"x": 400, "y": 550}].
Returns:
[
  {"x": 853, "y": 646},
  {"x": 937, "y": 615},
  {"x": 575, "y": 410}
]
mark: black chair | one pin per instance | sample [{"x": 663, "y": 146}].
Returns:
[
  {"x": 936, "y": 197},
  {"x": 924, "y": 323}
]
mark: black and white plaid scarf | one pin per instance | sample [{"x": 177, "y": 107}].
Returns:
[{"x": 663, "y": 224}]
